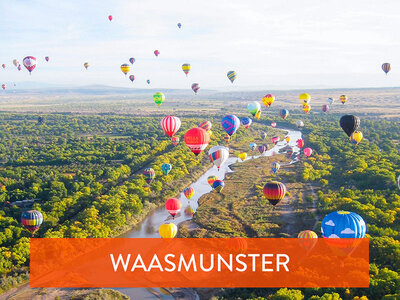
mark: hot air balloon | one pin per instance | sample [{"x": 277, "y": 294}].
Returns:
[
  {"x": 156, "y": 53},
  {"x": 299, "y": 124},
  {"x": 132, "y": 60},
  {"x": 159, "y": 98},
  {"x": 211, "y": 180},
  {"x": 197, "y": 140},
  {"x": 263, "y": 135},
  {"x": 253, "y": 107},
  {"x": 331, "y": 100},
  {"x": 300, "y": 143},
  {"x": 386, "y": 68},
  {"x": 168, "y": 231},
  {"x": 287, "y": 139},
  {"x": 307, "y": 152},
  {"x": 227, "y": 138},
  {"x": 170, "y": 125},
  {"x": 218, "y": 185},
  {"x": 325, "y": 108},
  {"x": 175, "y": 140},
  {"x": 179, "y": 25},
  {"x": 4, "y": 66},
  {"x": 268, "y": 100},
  {"x": 258, "y": 115},
  {"x": 230, "y": 123},
  {"x": 3, "y": 86},
  {"x": 289, "y": 152},
  {"x": 218, "y": 155},
  {"x": 273, "y": 124},
  {"x": 29, "y": 63},
  {"x": 274, "y": 191},
  {"x": 275, "y": 139},
  {"x": 173, "y": 206},
  {"x": 148, "y": 81},
  {"x": 246, "y": 122},
  {"x": 356, "y": 137},
  {"x": 306, "y": 108},
  {"x": 195, "y": 87},
  {"x": 149, "y": 175},
  {"x": 186, "y": 68},
  {"x": 206, "y": 125},
  {"x": 125, "y": 68},
  {"x": 253, "y": 146},
  {"x": 188, "y": 192},
  {"x": 262, "y": 148},
  {"x": 343, "y": 99},
  {"x": 349, "y": 124},
  {"x": 305, "y": 98},
  {"x": 131, "y": 78},
  {"x": 47, "y": 58},
  {"x": 307, "y": 239},
  {"x": 275, "y": 167},
  {"x": 166, "y": 168},
  {"x": 32, "y": 219},
  {"x": 110, "y": 17},
  {"x": 16, "y": 62},
  {"x": 86, "y": 65},
  {"x": 189, "y": 211},
  {"x": 284, "y": 113},
  {"x": 343, "y": 224},
  {"x": 231, "y": 76},
  {"x": 242, "y": 156}
]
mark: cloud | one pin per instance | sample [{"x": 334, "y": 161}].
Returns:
[
  {"x": 330, "y": 223},
  {"x": 333, "y": 236},
  {"x": 347, "y": 231}
]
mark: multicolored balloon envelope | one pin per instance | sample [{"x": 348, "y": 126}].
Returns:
[
  {"x": 131, "y": 78},
  {"x": 300, "y": 143},
  {"x": 305, "y": 98},
  {"x": 307, "y": 152},
  {"x": 275, "y": 139},
  {"x": 206, "y": 125},
  {"x": 211, "y": 180},
  {"x": 386, "y": 68},
  {"x": 29, "y": 63},
  {"x": 195, "y": 87},
  {"x": 231, "y": 76},
  {"x": 175, "y": 140},
  {"x": 274, "y": 191},
  {"x": 230, "y": 124},
  {"x": 218, "y": 155},
  {"x": 125, "y": 68},
  {"x": 218, "y": 185},
  {"x": 149, "y": 175},
  {"x": 253, "y": 107},
  {"x": 275, "y": 167},
  {"x": 268, "y": 99},
  {"x": 343, "y": 99},
  {"x": 246, "y": 122},
  {"x": 197, "y": 140},
  {"x": 253, "y": 146},
  {"x": 284, "y": 113},
  {"x": 188, "y": 192},
  {"x": 166, "y": 168},
  {"x": 156, "y": 53},
  {"x": 186, "y": 68},
  {"x": 32, "y": 219},
  {"x": 356, "y": 137},
  {"x": 325, "y": 108},
  {"x": 132, "y": 60},
  {"x": 170, "y": 125},
  {"x": 307, "y": 239},
  {"x": 262, "y": 148},
  {"x": 173, "y": 206},
  {"x": 159, "y": 98}
]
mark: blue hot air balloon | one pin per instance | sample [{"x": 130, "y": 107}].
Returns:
[
  {"x": 166, "y": 168},
  {"x": 253, "y": 146},
  {"x": 218, "y": 185},
  {"x": 275, "y": 167},
  {"x": 246, "y": 122},
  {"x": 343, "y": 224},
  {"x": 284, "y": 113},
  {"x": 230, "y": 123}
]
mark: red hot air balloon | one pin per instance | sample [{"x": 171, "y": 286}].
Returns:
[
  {"x": 173, "y": 206},
  {"x": 156, "y": 53},
  {"x": 197, "y": 139},
  {"x": 170, "y": 125},
  {"x": 175, "y": 140},
  {"x": 195, "y": 87},
  {"x": 325, "y": 108},
  {"x": 110, "y": 17},
  {"x": 307, "y": 152},
  {"x": 29, "y": 63},
  {"x": 273, "y": 124},
  {"x": 4, "y": 66},
  {"x": 300, "y": 143},
  {"x": 275, "y": 139},
  {"x": 274, "y": 192},
  {"x": 3, "y": 86}
]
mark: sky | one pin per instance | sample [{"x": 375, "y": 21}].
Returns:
[{"x": 270, "y": 44}]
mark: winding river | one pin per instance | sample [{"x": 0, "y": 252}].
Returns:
[{"x": 149, "y": 227}]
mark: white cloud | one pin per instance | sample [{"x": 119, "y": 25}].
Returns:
[
  {"x": 347, "y": 231},
  {"x": 333, "y": 236},
  {"x": 330, "y": 223}
]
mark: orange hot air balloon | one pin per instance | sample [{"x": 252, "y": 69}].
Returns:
[
  {"x": 274, "y": 192},
  {"x": 197, "y": 139},
  {"x": 175, "y": 140}
]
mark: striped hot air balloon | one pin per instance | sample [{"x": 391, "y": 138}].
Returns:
[
  {"x": 268, "y": 99},
  {"x": 159, "y": 98},
  {"x": 218, "y": 155},
  {"x": 170, "y": 125},
  {"x": 230, "y": 123},
  {"x": 343, "y": 99},
  {"x": 307, "y": 239},
  {"x": 262, "y": 148},
  {"x": 132, "y": 60},
  {"x": 284, "y": 113},
  {"x": 275, "y": 167},
  {"x": 149, "y": 175},
  {"x": 186, "y": 68},
  {"x": 188, "y": 192},
  {"x": 125, "y": 68},
  {"x": 206, "y": 125},
  {"x": 32, "y": 219},
  {"x": 274, "y": 191},
  {"x": 218, "y": 185},
  {"x": 386, "y": 68},
  {"x": 175, "y": 140},
  {"x": 29, "y": 63},
  {"x": 195, "y": 87},
  {"x": 325, "y": 108},
  {"x": 227, "y": 138},
  {"x": 211, "y": 180},
  {"x": 231, "y": 75}
]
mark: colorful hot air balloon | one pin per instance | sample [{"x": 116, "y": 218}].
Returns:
[
  {"x": 227, "y": 138},
  {"x": 307, "y": 152},
  {"x": 331, "y": 100},
  {"x": 186, "y": 68},
  {"x": 246, "y": 122},
  {"x": 253, "y": 107},
  {"x": 231, "y": 124},
  {"x": 343, "y": 99},
  {"x": 300, "y": 143},
  {"x": 211, "y": 180},
  {"x": 47, "y": 58},
  {"x": 156, "y": 53},
  {"x": 307, "y": 234},
  {"x": 386, "y": 68},
  {"x": 110, "y": 17},
  {"x": 149, "y": 175},
  {"x": 263, "y": 135},
  {"x": 125, "y": 68},
  {"x": 3, "y": 86},
  {"x": 195, "y": 87},
  {"x": 231, "y": 76},
  {"x": 168, "y": 231},
  {"x": 299, "y": 124},
  {"x": 29, "y": 63},
  {"x": 218, "y": 155},
  {"x": 173, "y": 206},
  {"x": 32, "y": 219},
  {"x": 86, "y": 65},
  {"x": 349, "y": 124},
  {"x": 4, "y": 66},
  {"x": 19, "y": 67},
  {"x": 274, "y": 191},
  {"x": 258, "y": 115},
  {"x": 179, "y": 25},
  {"x": 175, "y": 140},
  {"x": 343, "y": 224},
  {"x": 166, "y": 168},
  {"x": 307, "y": 239},
  {"x": 325, "y": 108},
  {"x": 289, "y": 152},
  {"x": 287, "y": 139},
  {"x": 15, "y": 62},
  {"x": 197, "y": 140},
  {"x": 206, "y": 125},
  {"x": 218, "y": 185},
  {"x": 188, "y": 192},
  {"x": 148, "y": 81},
  {"x": 132, "y": 60},
  {"x": 305, "y": 98},
  {"x": 253, "y": 146},
  {"x": 170, "y": 125},
  {"x": 306, "y": 108},
  {"x": 262, "y": 148},
  {"x": 242, "y": 156},
  {"x": 275, "y": 167},
  {"x": 273, "y": 124},
  {"x": 131, "y": 78},
  {"x": 284, "y": 113},
  {"x": 268, "y": 100},
  {"x": 159, "y": 98},
  {"x": 275, "y": 139},
  {"x": 189, "y": 211},
  {"x": 356, "y": 137}
]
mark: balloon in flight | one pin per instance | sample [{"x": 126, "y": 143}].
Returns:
[
  {"x": 386, "y": 68},
  {"x": 86, "y": 65},
  {"x": 29, "y": 63},
  {"x": 349, "y": 124},
  {"x": 168, "y": 231},
  {"x": 230, "y": 124},
  {"x": 131, "y": 78},
  {"x": 263, "y": 135},
  {"x": 132, "y": 60},
  {"x": 166, "y": 168},
  {"x": 258, "y": 115},
  {"x": 284, "y": 113},
  {"x": 343, "y": 99},
  {"x": 197, "y": 140},
  {"x": 305, "y": 98},
  {"x": 15, "y": 62},
  {"x": 275, "y": 139},
  {"x": 343, "y": 224},
  {"x": 273, "y": 124},
  {"x": 110, "y": 17},
  {"x": 156, "y": 53},
  {"x": 125, "y": 68},
  {"x": 186, "y": 68},
  {"x": 188, "y": 192},
  {"x": 268, "y": 99},
  {"x": 32, "y": 219},
  {"x": 3, "y": 86},
  {"x": 195, "y": 87},
  {"x": 227, "y": 138},
  {"x": 170, "y": 125},
  {"x": 206, "y": 125},
  {"x": 325, "y": 108},
  {"x": 306, "y": 108},
  {"x": 47, "y": 58},
  {"x": 246, "y": 122},
  {"x": 253, "y": 146},
  {"x": 356, "y": 137},
  {"x": 159, "y": 98},
  {"x": 331, "y": 100},
  {"x": 253, "y": 107},
  {"x": 299, "y": 124},
  {"x": 242, "y": 156},
  {"x": 218, "y": 155},
  {"x": 149, "y": 175},
  {"x": 275, "y": 167},
  {"x": 173, "y": 206},
  {"x": 179, "y": 25},
  {"x": 211, "y": 180},
  {"x": 148, "y": 81},
  {"x": 175, "y": 140},
  {"x": 300, "y": 143},
  {"x": 231, "y": 76},
  {"x": 307, "y": 152},
  {"x": 218, "y": 185},
  {"x": 262, "y": 148},
  {"x": 274, "y": 191}
]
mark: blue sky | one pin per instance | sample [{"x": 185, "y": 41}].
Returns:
[{"x": 271, "y": 44}]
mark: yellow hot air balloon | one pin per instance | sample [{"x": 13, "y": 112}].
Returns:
[
  {"x": 287, "y": 139},
  {"x": 242, "y": 155},
  {"x": 186, "y": 68},
  {"x": 356, "y": 137},
  {"x": 268, "y": 99},
  {"x": 86, "y": 65},
  {"x": 125, "y": 68},
  {"x": 343, "y": 99},
  {"x": 168, "y": 231},
  {"x": 306, "y": 108},
  {"x": 305, "y": 98},
  {"x": 258, "y": 115}
]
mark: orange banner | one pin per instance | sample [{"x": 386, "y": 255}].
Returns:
[{"x": 234, "y": 262}]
